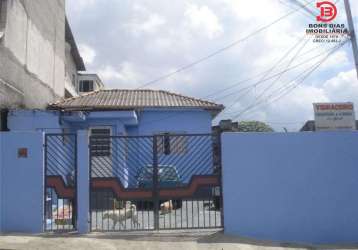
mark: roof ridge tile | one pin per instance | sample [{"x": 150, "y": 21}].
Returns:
[{"x": 118, "y": 99}]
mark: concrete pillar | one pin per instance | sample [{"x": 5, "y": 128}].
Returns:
[
  {"x": 22, "y": 190},
  {"x": 83, "y": 179}
]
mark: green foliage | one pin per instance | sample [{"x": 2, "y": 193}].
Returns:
[{"x": 254, "y": 126}]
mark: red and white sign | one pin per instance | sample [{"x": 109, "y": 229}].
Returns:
[
  {"x": 334, "y": 116},
  {"x": 327, "y": 10}
]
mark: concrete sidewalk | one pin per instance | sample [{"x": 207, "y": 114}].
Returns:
[{"x": 148, "y": 240}]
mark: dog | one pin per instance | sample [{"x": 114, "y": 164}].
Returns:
[
  {"x": 121, "y": 215},
  {"x": 166, "y": 207}
]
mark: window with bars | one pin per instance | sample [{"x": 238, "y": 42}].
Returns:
[
  {"x": 101, "y": 142},
  {"x": 171, "y": 143}
]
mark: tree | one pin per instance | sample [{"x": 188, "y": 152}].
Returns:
[{"x": 254, "y": 126}]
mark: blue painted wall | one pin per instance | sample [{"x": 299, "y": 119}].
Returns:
[
  {"x": 35, "y": 120},
  {"x": 192, "y": 121},
  {"x": 175, "y": 120},
  {"x": 145, "y": 122},
  {"x": 299, "y": 187},
  {"x": 22, "y": 182},
  {"x": 149, "y": 121}
]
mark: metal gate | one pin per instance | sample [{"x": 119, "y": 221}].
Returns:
[
  {"x": 155, "y": 182},
  {"x": 60, "y": 182}
]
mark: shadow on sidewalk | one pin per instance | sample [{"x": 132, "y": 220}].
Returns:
[{"x": 201, "y": 237}]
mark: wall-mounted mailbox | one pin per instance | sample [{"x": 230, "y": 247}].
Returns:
[{"x": 22, "y": 153}]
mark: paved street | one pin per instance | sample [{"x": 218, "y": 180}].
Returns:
[{"x": 159, "y": 241}]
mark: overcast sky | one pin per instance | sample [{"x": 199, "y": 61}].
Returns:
[{"x": 129, "y": 43}]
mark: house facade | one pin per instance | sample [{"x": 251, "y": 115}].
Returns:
[
  {"x": 129, "y": 114},
  {"x": 120, "y": 112}
]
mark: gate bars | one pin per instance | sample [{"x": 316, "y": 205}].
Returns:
[
  {"x": 60, "y": 195},
  {"x": 155, "y": 182}
]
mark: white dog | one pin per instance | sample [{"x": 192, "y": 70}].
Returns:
[
  {"x": 166, "y": 207},
  {"x": 121, "y": 215}
]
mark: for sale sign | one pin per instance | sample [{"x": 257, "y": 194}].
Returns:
[{"x": 334, "y": 116}]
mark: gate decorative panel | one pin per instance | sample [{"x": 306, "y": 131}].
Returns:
[
  {"x": 60, "y": 182},
  {"x": 117, "y": 202},
  {"x": 154, "y": 182}
]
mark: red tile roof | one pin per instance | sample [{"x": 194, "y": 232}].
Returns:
[{"x": 125, "y": 99}]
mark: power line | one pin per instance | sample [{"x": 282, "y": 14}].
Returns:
[
  {"x": 261, "y": 102},
  {"x": 250, "y": 86},
  {"x": 291, "y": 87},
  {"x": 233, "y": 44},
  {"x": 270, "y": 70},
  {"x": 280, "y": 88},
  {"x": 293, "y": 8},
  {"x": 318, "y": 65},
  {"x": 258, "y": 75},
  {"x": 303, "y": 7},
  {"x": 279, "y": 76}
]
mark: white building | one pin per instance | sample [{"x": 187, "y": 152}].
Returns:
[{"x": 39, "y": 58}]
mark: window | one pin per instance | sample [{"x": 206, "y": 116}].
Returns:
[
  {"x": 169, "y": 143},
  {"x": 86, "y": 86},
  {"x": 101, "y": 142}
]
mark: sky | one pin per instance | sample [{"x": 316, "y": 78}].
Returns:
[{"x": 271, "y": 73}]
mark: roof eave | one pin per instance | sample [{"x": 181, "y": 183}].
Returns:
[
  {"x": 92, "y": 108},
  {"x": 80, "y": 65}
]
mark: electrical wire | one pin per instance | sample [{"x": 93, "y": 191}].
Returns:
[
  {"x": 296, "y": 66},
  {"x": 269, "y": 71},
  {"x": 231, "y": 45},
  {"x": 232, "y": 86},
  {"x": 289, "y": 88}
]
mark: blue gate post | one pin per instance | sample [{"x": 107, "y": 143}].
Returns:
[{"x": 83, "y": 180}]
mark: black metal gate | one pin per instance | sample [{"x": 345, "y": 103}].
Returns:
[
  {"x": 155, "y": 182},
  {"x": 60, "y": 182}
]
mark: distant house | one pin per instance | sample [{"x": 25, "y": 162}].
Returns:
[
  {"x": 88, "y": 82},
  {"x": 309, "y": 126},
  {"x": 121, "y": 112}
]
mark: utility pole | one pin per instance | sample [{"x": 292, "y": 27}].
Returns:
[{"x": 352, "y": 33}]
